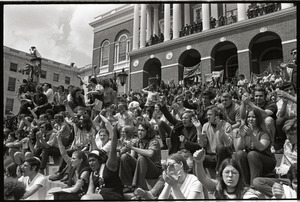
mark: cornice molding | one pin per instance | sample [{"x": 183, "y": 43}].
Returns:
[
  {"x": 118, "y": 16},
  {"x": 235, "y": 26}
]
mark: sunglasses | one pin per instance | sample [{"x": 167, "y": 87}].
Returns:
[{"x": 294, "y": 53}]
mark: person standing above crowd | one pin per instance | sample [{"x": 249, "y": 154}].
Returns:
[
  {"x": 109, "y": 94},
  {"x": 41, "y": 101},
  {"x": 59, "y": 97},
  {"x": 48, "y": 92},
  {"x": 97, "y": 96}
]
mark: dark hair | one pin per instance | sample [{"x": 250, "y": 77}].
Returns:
[
  {"x": 62, "y": 87},
  {"x": 149, "y": 128},
  {"x": 292, "y": 172},
  {"x": 51, "y": 112},
  {"x": 87, "y": 122},
  {"x": 239, "y": 188},
  {"x": 258, "y": 119},
  {"x": 209, "y": 93},
  {"x": 226, "y": 95},
  {"x": 13, "y": 189},
  {"x": 101, "y": 156},
  {"x": 21, "y": 132},
  {"x": 12, "y": 170},
  {"x": 178, "y": 158},
  {"x": 48, "y": 126},
  {"x": 34, "y": 161},
  {"x": 105, "y": 82},
  {"x": 93, "y": 80}
]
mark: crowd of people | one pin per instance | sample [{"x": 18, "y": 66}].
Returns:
[{"x": 221, "y": 139}]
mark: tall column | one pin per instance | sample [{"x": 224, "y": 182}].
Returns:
[
  {"x": 241, "y": 9},
  {"x": 187, "y": 15},
  {"x": 286, "y": 5},
  {"x": 155, "y": 20},
  {"x": 176, "y": 20},
  {"x": 149, "y": 24},
  {"x": 143, "y": 26},
  {"x": 136, "y": 22},
  {"x": 205, "y": 16},
  {"x": 167, "y": 22}
]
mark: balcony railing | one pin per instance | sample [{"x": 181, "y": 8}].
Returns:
[{"x": 259, "y": 9}]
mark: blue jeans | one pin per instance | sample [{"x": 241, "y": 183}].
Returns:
[
  {"x": 135, "y": 171},
  {"x": 254, "y": 164},
  {"x": 265, "y": 184}
]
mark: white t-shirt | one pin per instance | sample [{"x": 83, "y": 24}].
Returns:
[
  {"x": 38, "y": 179},
  {"x": 190, "y": 184},
  {"x": 50, "y": 95}
]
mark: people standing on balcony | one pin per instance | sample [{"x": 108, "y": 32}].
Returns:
[{"x": 152, "y": 96}]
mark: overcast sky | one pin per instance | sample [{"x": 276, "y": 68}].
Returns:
[{"x": 59, "y": 32}]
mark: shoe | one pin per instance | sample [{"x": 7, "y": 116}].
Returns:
[
  {"x": 144, "y": 194},
  {"x": 55, "y": 177},
  {"x": 128, "y": 189},
  {"x": 65, "y": 178},
  {"x": 164, "y": 147}
]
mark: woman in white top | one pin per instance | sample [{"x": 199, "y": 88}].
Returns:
[{"x": 179, "y": 184}]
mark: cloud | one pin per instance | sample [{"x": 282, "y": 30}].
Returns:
[{"x": 60, "y": 32}]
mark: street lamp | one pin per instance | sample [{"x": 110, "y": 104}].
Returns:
[{"x": 122, "y": 77}]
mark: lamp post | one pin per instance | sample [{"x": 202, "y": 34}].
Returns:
[{"x": 122, "y": 77}]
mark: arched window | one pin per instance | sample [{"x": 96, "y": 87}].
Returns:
[
  {"x": 122, "y": 48},
  {"x": 232, "y": 66},
  {"x": 104, "y": 53}
]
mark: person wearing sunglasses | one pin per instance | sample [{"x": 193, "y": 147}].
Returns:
[{"x": 179, "y": 184}]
